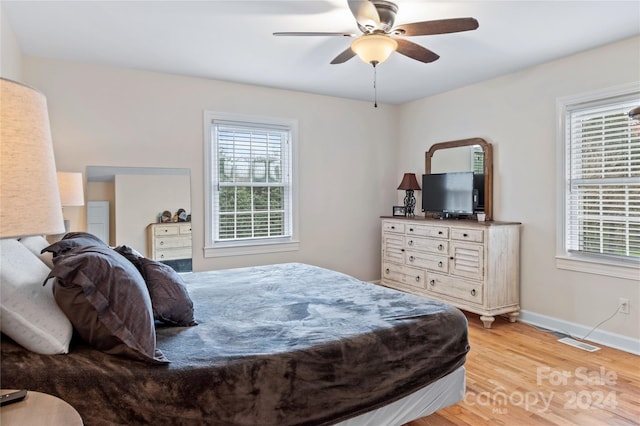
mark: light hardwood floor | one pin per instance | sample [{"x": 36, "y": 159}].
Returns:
[{"x": 520, "y": 375}]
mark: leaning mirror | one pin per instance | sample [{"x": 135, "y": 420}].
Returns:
[
  {"x": 474, "y": 155},
  {"x": 125, "y": 206}
]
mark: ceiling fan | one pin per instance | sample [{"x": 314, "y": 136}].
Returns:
[{"x": 380, "y": 37}]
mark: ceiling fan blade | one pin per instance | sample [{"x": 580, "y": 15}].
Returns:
[
  {"x": 293, "y": 33},
  {"x": 344, "y": 56},
  {"x": 415, "y": 51},
  {"x": 365, "y": 13},
  {"x": 441, "y": 26}
]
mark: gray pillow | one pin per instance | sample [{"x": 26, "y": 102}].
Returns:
[
  {"x": 106, "y": 300},
  {"x": 73, "y": 240},
  {"x": 169, "y": 296}
]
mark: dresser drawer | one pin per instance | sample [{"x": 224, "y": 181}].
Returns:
[
  {"x": 455, "y": 288},
  {"x": 184, "y": 228},
  {"x": 467, "y": 260},
  {"x": 174, "y": 253},
  {"x": 166, "y": 230},
  {"x": 428, "y": 231},
  {"x": 465, "y": 234},
  {"x": 430, "y": 245},
  {"x": 411, "y": 277},
  {"x": 172, "y": 242},
  {"x": 393, "y": 247},
  {"x": 396, "y": 227},
  {"x": 428, "y": 261}
]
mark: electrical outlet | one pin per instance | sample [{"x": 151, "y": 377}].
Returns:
[{"x": 624, "y": 305}]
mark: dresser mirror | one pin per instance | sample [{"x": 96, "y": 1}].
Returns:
[
  {"x": 122, "y": 201},
  {"x": 465, "y": 155}
]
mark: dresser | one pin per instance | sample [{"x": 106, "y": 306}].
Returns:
[
  {"x": 169, "y": 242},
  {"x": 468, "y": 264}
]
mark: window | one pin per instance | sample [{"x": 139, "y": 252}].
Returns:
[
  {"x": 477, "y": 160},
  {"x": 250, "y": 192},
  {"x": 601, "y": 187}
]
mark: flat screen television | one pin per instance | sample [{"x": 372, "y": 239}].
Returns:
[{"x": 451, "y": 194}]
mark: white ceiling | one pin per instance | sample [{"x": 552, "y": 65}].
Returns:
[{"x": 233, "y": 41}]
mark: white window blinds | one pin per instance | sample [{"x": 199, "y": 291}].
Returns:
[
  {"x": 251, "y": 181},
  {"x": 602, "y": 193}
]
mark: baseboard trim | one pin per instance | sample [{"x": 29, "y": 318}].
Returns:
[{"x": 606, "y": 338}]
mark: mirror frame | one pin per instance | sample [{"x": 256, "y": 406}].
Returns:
[{"x": 487, "y": 149}]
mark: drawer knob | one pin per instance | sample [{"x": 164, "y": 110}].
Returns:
[
  {"x": 439, "y": 232},
  {"x": 465, "y": 235},
  {"x": 473, "y": 292},
  {"x": 432, "y": 282},
  {"x": 440, "y": 247},
  {"x": 393, "y": 227},
  {"x": 162, "y": 256},
  {"x": 386, "y": 271},
  {"x": 410, "y": 242},
  {"x": 411, "y": 258},
  {"x": 161, "y": 243},
  {"x": 402, "y": 250},
  {"x": 410, "y": 229},
  {"x": 440, "y": 264},
  {"x": 418, "y": 278}
]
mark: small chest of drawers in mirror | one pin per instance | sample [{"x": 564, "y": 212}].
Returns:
[
  {"x": 169, "y": 241},
  {"x": 471, "y": 265}
]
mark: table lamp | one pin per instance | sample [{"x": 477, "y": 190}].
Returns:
[
  {"x": 409, "y": 183},
  {"x": 71, "y": 192},
  {"x": 29, "y": 197}
]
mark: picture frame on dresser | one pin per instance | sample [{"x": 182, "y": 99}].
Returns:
[{"x": 399, "y": 211}]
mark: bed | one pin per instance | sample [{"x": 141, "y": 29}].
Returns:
[{"x": 284, "y": 344}]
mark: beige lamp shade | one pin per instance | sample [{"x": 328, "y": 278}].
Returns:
[
  {"x": 374, "y": 48},
  {"x": 71, "y": 190},
  {"x": 29, "y": 197}
]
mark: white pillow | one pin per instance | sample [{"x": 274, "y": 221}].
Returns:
[
  {"x": 29, "y": 314},
  {"x": 35, "y": 244}
]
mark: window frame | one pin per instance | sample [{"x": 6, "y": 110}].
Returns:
[
  {"x": 214, "y": 248},
  {"x": 581, "y": 261}
]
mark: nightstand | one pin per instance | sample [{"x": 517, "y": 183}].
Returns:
[{"x": 39, "y": 409}]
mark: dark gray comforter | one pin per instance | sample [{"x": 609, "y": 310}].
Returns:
[{"x": 275, "y": 345}]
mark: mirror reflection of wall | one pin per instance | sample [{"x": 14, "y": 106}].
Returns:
[
  {"x": 136, "y": 196},
  {"x": 458, "y": 159}
]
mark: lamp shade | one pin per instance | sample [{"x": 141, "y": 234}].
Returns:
[
  {"x": 29, "y": 197},
  {"x": 374, "y": 48},
  {"x": 71, "y": 191},
  {"x": 409, "y": 182}
]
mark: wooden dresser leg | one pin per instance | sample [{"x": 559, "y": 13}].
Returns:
[
  {"x": 513, "y": 316},
  {"x": 487, "y": 321}
]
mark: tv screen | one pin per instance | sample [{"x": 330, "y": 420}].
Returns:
[{"x": 450, "y": 193}]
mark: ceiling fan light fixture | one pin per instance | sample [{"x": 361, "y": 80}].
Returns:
[{"x": 374, "y": 48}]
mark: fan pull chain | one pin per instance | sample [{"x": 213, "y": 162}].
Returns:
[{"x": 375, "y": 87}]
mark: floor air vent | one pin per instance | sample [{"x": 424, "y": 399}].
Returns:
[{"x": 577, "y": 344}]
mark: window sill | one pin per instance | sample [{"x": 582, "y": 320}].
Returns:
[
  {"x": 242, "y": 250},
  {"x": 591, "y": 266}
]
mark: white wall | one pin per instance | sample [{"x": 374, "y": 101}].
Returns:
[
  {"x": 10, "y": 53},
  {"x": 139, "y": 199},
  {"x": 347, "y": 177},
  {"x": 517, "y": 114}
]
